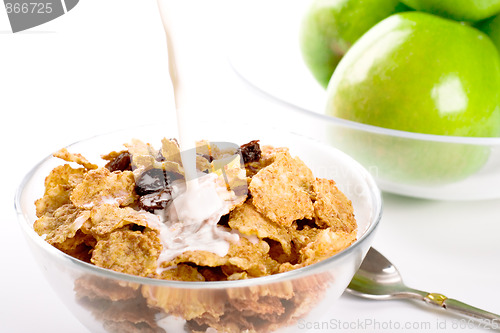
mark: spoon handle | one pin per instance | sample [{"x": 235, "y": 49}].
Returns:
[
  {"x": 454, "y": 305},
  {"x": 485, "y": 318}
]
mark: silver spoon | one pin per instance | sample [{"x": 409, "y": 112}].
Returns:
[{"x": 377, "y": 278}]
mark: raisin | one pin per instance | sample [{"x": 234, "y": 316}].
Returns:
[
  {"x": 154, "y": 180},
  {"x": 156, "y": 200},
  {"x": 224, "y": 220},
  {"x": 150, "y": 181},
  {"x": 251, "y": 151},
  {"x": 120, "y": 163},
  {"x": 173, "y": 176}
]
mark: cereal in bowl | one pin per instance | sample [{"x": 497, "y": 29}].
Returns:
[{"x": 264, "y": 213}]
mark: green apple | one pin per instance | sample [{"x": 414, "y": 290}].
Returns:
[
  {"x": 420, "y": 73},
  {"x": 330, "y": 27},
  {"x": 491, "y": 27},
  {"x": 460, "y": 10}
]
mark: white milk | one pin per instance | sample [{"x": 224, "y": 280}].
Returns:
[{"x": 190, "y": 222}]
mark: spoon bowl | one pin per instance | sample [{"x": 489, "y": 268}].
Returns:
[{"x": 377, "y": 278}]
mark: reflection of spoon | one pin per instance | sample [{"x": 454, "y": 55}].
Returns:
[{"x": 377, "y": 278}]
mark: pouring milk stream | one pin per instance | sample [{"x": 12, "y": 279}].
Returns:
[{"x": 196, "y": 209}]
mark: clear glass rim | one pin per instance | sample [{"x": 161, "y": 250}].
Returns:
[
  {"x": 377, "y": 204},
  {"x": 483, "y": 141}
]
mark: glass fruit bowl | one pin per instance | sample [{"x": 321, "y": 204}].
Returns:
[
  {"x": 411, "y": 164},
  {"x": 414, "y": 164},
  {"x": 108, "y": 301}
]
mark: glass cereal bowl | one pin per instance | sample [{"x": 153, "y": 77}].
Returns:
[{"x": 109, "y": 301}]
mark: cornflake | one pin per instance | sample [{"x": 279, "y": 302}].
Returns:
[
  {"x": 331, "y": 206},
  {"x": 281, "y": 190},
  {"x": 64, "y": 154},
  {"x": 100, "y": 186},
  {"x": 248, "y": 221},
  {"x": 58, "y": 186},
  {"x": 128, "y": 251},
  {"x": 107, "y": 218}
]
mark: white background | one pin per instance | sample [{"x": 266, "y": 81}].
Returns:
[{"x": 103, "y": 67}]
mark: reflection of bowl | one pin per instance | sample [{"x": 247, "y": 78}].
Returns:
[{"x": 105, "y": 300}]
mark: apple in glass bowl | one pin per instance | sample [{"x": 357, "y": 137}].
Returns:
[
  {"x": 461, "y": 10},
  {"x": 329, "y": 29},
  {"x": 419, "y": 73}
]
